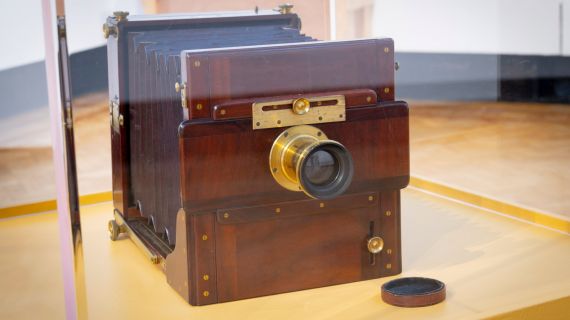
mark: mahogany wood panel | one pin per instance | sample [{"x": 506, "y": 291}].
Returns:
[
  {"x": 215, "y": 77},
  {"x": 245, "y": 252},
  {"x": 293, "y": 252},
  {"x": 391, "y": 258},
  {"x": 225, "y": 163},
  {"x": 276, "y": 256}
]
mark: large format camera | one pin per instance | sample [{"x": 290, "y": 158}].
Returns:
[{"x": 250, "y": 159}]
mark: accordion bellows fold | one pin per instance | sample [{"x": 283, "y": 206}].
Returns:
[{"x": 155, "y": 107}]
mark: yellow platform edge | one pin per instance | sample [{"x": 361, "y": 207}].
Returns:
[
  {"x": 552, "y": 310},
  {"x": 51, "y": 205},
  {"x": 526, "y": 214}
]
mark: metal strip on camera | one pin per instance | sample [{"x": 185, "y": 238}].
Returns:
[{"x": 292, "y": 112}]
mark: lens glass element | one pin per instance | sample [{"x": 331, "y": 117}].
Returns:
[{"x": 321, "y": 168}]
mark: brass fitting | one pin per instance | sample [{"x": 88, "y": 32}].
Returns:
[{"x": 285, "y": 8}]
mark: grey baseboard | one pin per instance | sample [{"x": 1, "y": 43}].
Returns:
[
  {"x": 24, "y": 88},
  {"x": 444, "y": 76}
]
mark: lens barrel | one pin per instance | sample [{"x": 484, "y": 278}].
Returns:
[{"x": 302, "y": 158}]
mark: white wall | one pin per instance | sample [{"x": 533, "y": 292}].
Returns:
[
  {"x": 21, "y": 27},
  {"x": 473, "y": 26},
  {"x": 20, "y": 32}
]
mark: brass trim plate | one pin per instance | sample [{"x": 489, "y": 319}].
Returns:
[{"x": 322, "y": 110}]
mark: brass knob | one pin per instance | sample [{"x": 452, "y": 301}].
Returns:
[
  {"x": 109, "y": 30},
  {"x": 375, "y": 245},
  {"x": 301, "y": 106},
  {"x": 114, "y": 230}
]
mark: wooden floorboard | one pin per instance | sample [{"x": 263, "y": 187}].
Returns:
[
  {"x": 26, "y": 173},
  {"x": 518, "y": 153}
]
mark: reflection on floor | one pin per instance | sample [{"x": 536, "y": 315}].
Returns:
[
  {"x": 484, "y": 259},
  {"x": 518, "y": 153},
  {"x": 26, "y": 167}
]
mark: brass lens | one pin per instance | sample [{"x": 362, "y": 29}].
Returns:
[{"x": 302, "y": 158}]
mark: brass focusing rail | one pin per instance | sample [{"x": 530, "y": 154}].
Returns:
[
  {"x": 291, "y": 112},
  {"x": 119, "y": 225}
]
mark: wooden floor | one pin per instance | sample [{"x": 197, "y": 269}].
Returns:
[
  {"x": 491, "y": 265},
  {"x": 26, "y": 173},
  {"x": 518, "y": 153}
]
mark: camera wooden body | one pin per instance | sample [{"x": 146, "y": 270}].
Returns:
[{"x": 191, "y": 174}]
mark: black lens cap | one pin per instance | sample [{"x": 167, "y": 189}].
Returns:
[{"x": 413, "y": 292}]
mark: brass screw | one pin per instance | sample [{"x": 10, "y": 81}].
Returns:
[
  {"x": 277, "y": 210},
  {"x": 386, "y": 49},
  {"x": 368, "y": 99},
  {"x": 206, "y": 277},
  {"x": 223, "y": 112},
  {"x": 196, "y": 64},
  {"x": 120, "y": 15},
  {"x": 177, "y": 87},
  {"x": 388, "y": 213},
  {"x": 226, "y": 215},
  {"x": 389, "y": 266},
  {"x": 370, "y": 198},
  {"x": 340, "y": 115},
  {"x": 322, "y": 205},
  {"x": 386, "y": 90},
  {"x": 199, "y": 106},
  {"x": 204, "y": 237},
  {"x": 389, "y": 251},
  {"x": 285, "y": 8},
  {"x": 258, "y": 124},
  {"x": 206, "y": 293}
]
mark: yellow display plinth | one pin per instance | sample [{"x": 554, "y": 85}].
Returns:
[{"x": 492, "y": 266}]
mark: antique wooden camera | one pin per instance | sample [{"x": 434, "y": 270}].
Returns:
[{"x": 250, "y": 159}]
